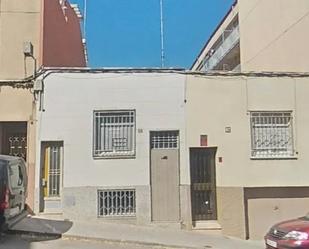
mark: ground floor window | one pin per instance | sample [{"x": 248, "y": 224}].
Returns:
[
  {"x": 116, "y": 203},
  {"x": 272, "y": 134}
]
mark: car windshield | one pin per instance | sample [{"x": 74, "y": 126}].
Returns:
[{"x": 306, "y": 217}]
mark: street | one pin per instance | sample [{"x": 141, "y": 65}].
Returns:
[{"x": 26, "y": 242}]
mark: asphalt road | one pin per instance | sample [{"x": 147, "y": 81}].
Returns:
[{"x": 28, "y": 242}]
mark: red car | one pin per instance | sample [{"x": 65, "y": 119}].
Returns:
[{"x": 291, "y": 234}]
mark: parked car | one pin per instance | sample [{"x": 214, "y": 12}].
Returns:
[
  {"x": 289, "y": 234},
  {"x": 13, "y": 189}
]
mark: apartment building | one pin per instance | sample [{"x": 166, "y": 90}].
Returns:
[
  {"x": 33, "y": 33},
  {"x": 260, "y": 36}
]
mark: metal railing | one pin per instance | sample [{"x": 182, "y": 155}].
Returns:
[{"x": 230, "y": 38}]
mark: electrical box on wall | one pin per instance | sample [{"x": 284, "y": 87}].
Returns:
[
  {"x": 38, "y": 85},
  {"x": 203, "y": 140},
  {"x": 28, "y": 49}
]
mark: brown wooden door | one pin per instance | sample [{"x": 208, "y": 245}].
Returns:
[{"x": 203, "y": 183}]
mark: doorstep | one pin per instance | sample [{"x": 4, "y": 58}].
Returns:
[{"x": 206, "y": 225}]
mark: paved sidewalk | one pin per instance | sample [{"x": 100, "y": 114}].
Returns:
[
  {"x": 152, "y": 236},
  {"x": 148, "y": 235}
]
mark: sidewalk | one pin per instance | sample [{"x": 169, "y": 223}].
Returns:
[{"x": 155, "y": 236}]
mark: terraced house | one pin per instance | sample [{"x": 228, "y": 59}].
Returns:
[{"x": 173, "y": 148}]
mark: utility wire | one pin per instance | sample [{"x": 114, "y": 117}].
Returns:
[
  {"x": 277, "y": 38},
  {"x": 162, "y": 34},
  {"x": 85, "y": 17}
]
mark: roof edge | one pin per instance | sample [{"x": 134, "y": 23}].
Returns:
[{"x": 215, "y": 31}]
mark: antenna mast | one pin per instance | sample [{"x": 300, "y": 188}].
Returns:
[
  {"x": 162, "y": 34},
  {"x": 85, "y": 17}
]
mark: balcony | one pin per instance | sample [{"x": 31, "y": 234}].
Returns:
[{"x": 229, "y": 40}]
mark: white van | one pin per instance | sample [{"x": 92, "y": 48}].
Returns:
[{"x": 13, "y": 188}]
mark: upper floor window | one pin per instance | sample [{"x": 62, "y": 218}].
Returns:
[
  {"x": 114, "y": 133},
  {"x": 272, "y": 134}
]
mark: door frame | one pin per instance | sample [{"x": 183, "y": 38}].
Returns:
[
  {"x": 212, "y": 150},
  {"x": 43, "y": 174},
  {"x": 151, "y": 132}
]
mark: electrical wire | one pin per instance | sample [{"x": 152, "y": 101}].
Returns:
[{"x": 277, "y": 38}]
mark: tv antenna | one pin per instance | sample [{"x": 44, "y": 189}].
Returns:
[{"x": 162, "y": 34}]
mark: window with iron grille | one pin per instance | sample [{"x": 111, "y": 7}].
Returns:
[
  {"x": 114, "y": 133},
  {"x": 164, "y": 140},
  {"x": 116, "y": 203},
  {"x": 272, "y": 134}
]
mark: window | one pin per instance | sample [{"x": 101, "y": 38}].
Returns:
[
  {"x": 114, "y": 133},
  {"x": 116, "y": 203},
  {"x": 52, "y": 165},
  {"x": 164, "y": 140},
  {"x": 16, "y": 176},
  {"x": 272, "y": 134}
]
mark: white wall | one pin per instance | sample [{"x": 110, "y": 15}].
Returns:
[{"x": 69, "y": 102}]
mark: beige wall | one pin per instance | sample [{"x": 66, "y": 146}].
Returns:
[
  {"x": 218, "y": 102},
  {"x": 19, "y": 22},
  {"x": 230, "y": 206},
  {"x": 274, "y": 35}
]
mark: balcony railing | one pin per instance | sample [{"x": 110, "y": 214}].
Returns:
[{"x": 228, "y": 43}]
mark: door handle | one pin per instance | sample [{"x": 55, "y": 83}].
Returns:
[{"x": 164, "y": 158}]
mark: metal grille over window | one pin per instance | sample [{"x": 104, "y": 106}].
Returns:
[
  {"x": 116, "y": 203},
  {"x": 165, "y": 140},
  {"x": 114, "y": 133},
  {"x": 272, "y": 134},
  {"x": 54, "y": 171},
  {"x": 18, "y": 145}
]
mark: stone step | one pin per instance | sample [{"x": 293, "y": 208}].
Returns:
[{"x": 206, "y": 225}]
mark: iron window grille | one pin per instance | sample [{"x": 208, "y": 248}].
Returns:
[
  {"x": 116, "y": 203},
  {"x": 114, "y": 133},
  {"x": 164, "y": 140},
  {"x": 54, "y": 171},
  {"x": 272, "y": 134}
]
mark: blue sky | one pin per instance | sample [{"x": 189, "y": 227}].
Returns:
[{"x": 126, "y": 33}]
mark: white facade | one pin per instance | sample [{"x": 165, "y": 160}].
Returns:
[{"x": 67, "y": 114}]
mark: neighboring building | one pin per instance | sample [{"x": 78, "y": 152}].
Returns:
[
  {"x": 33, "y": 33},
  {"x": 248, "y": 134},
  {"x": 111, "y": 146},
  {"x": 259, "y": 36}
]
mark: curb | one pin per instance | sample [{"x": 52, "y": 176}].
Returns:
[
  {"x": 34, "y": 235},
  {"x": 130, "y": 242}
]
